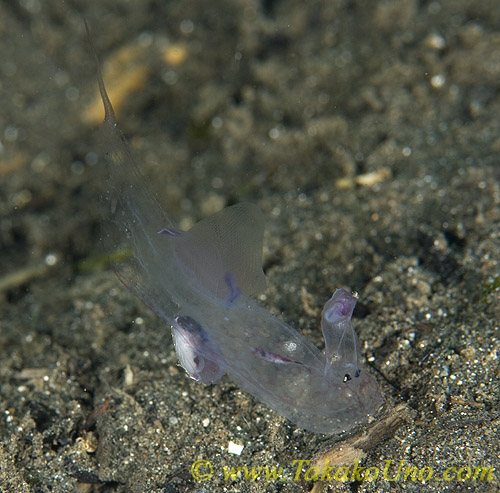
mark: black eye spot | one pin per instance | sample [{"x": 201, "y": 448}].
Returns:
[{"x": 347, "y": 377}]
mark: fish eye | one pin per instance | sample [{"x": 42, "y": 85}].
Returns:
[{"x": 347, "y": 377}]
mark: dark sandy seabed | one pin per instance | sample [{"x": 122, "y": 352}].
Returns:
[{"x": 369, "y": 135}]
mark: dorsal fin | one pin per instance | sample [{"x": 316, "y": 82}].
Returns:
[{"x": 226, "y": 245}]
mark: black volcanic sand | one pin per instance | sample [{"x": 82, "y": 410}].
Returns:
[{"x": 368, "y": 134}]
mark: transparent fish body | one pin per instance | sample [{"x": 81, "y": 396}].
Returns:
[{"x": 203, "y": 282}]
